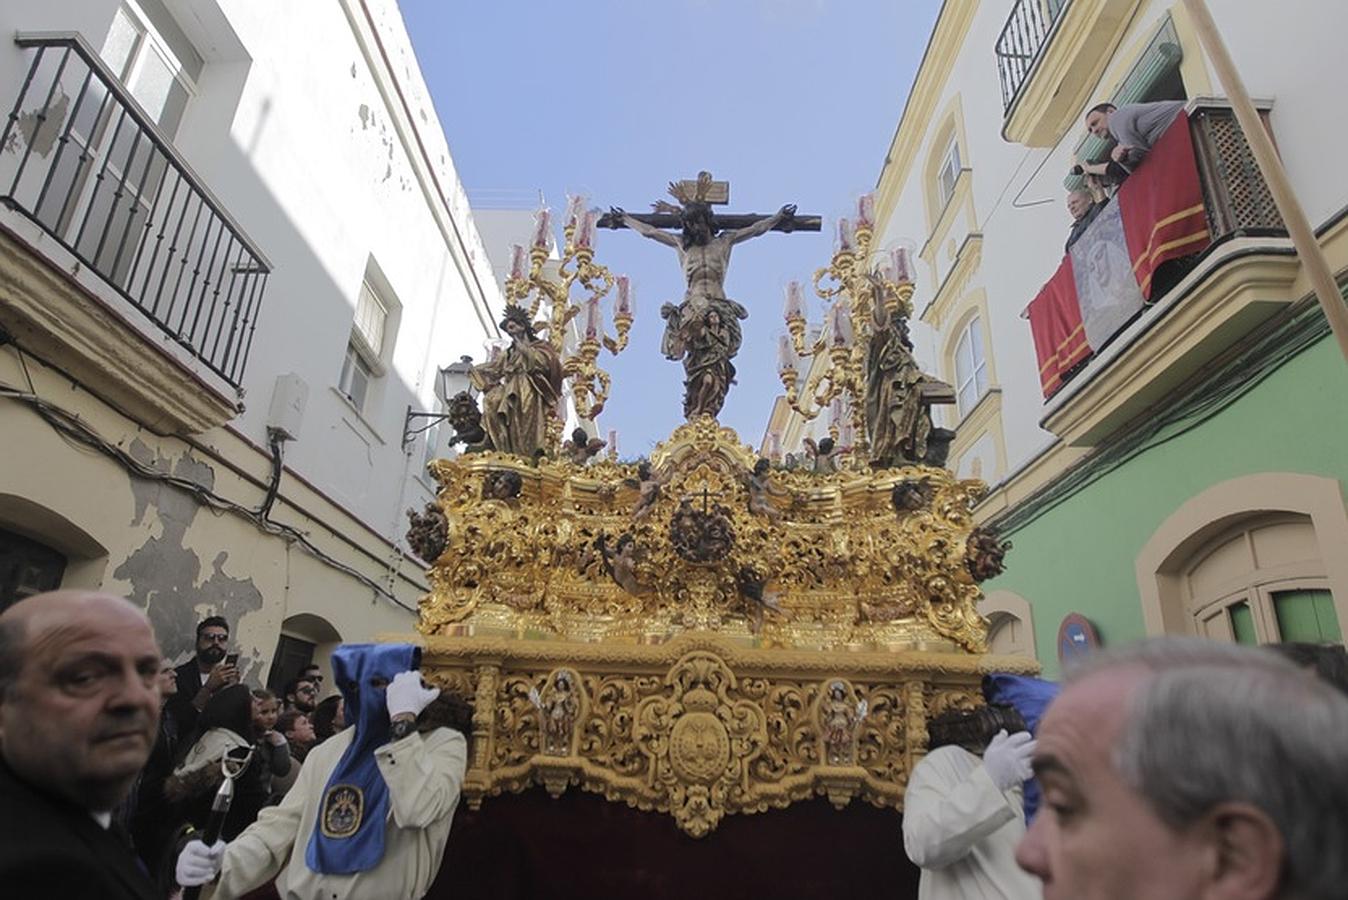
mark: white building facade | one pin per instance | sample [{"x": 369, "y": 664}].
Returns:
[{"x": 226, "y": 223}]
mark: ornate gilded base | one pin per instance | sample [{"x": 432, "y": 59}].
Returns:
[
  {"x": 700, "y": 726},
  {"x": 702, "y": 634}
]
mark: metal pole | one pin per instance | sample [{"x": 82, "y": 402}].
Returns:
[{"x": 1298, "y": 226}]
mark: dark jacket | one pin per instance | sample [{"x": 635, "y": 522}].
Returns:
[
  {"x": 51, "y": 848},
  {"x": 180, "y": 705},
  {"x": 1080, "y": 225}
]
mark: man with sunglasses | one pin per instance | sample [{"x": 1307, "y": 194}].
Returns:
[
  {"x": 301, "y": 695},
  {"x": 202, "y": 676}
]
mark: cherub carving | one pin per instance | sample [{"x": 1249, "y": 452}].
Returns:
[
  {"x": 823, "y": 456},
  {"x": 502, "y": 484},
  {"x": 466, "y": 420},
  {"x": 985, "y": 554},
  {"x": 649, "y": 486},
  {"x": 750, "y": 585},
  {"x": 620, "y": 562},
  {"x": 581, "y": 447},
  {"x": 761, "y": 489},
  {"x": 911, "y": 494},
  {"x": 428, "y": 532}
]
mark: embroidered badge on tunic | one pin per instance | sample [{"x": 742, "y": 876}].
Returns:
[{"x": 341, "y": 810}]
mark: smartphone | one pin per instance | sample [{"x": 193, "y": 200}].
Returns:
[{"x": 232, "y": 659}]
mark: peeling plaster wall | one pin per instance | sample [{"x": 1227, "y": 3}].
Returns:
[{"x": 177, "y": 557}]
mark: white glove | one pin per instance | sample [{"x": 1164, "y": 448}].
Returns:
[
  {"x": 1007, "y": 758},
  {"x": 406, "y": 695},
  {"x": 198, "y": 864}
]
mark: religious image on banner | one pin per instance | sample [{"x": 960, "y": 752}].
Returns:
[{"x": 1102, "y": 269}]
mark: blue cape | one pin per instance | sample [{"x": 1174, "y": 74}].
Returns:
[
  {"x": 349, "y": 833},
  {"x": 1030, "y": 697}
]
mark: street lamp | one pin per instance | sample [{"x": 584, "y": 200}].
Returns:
[{"x": 450, "y": 381}]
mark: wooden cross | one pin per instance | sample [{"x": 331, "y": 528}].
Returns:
[{"x": 705, "y": 189}]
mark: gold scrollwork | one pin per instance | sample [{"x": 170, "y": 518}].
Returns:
[
  {"x": 700, "y": 727},
  {"x": 823, "y": 561}
]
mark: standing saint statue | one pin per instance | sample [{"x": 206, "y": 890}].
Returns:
[
  {"x": 704, "y": 329},
  {"x": 520, "y": 388},
  {"x": 898, "y": 395}
]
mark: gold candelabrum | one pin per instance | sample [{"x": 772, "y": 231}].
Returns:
[
  {"x": 851, "y": 284},
  {"x": 551, "y": 286}
]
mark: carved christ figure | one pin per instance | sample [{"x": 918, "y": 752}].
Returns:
[{"x": 704, "y": 255}]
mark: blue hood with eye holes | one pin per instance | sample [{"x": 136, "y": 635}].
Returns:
[{"x": 348, "y": 835}]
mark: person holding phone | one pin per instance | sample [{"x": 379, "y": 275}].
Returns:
[{"x": 212, "y": 669}]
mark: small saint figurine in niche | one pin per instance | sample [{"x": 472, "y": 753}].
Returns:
[
  {"x": 839, "y": 720},
  {"x": 558, "y": 706}
]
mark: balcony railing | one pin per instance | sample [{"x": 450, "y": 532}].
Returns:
[
  {"x": 1022, "y": 37},
  {"x": 81, "y": 159}
]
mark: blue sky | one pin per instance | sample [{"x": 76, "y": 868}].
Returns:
[{"x": 792, "y": 101}]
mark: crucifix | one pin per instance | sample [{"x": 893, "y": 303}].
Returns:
[{"x": 704, "y": 330}]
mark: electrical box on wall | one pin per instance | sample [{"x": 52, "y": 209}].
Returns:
[{"x": 289, "y": 396}]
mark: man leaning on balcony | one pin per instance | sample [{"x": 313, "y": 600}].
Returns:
[{"x": 1134, "y": 127}]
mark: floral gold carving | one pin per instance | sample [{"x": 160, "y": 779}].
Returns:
[{"x": 549, "y": 548}]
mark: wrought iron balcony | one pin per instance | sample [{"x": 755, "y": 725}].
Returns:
[
  {"x": 1023, "y": 36},
  {"x": 82, "y": 159}
]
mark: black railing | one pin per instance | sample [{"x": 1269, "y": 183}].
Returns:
[
  {"x": 84, "y": 161},
  {"x": 1022, "y": 37}
]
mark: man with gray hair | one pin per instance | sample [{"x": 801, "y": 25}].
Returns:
[
  {"x": 79, "y": 712},
  {"x": 1179, "y": 768}
]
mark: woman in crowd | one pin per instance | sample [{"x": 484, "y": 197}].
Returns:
[{"x": 329, "y": 718}]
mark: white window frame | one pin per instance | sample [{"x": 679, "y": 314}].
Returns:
[
  {"x": 369, "y": 326},
  {"x": 970, "y": 337},
  {"x": 1213, "y": 619},
  {"x": 947, "y": 176},
  {"x": 149, "y": 40},
  {"x": 354, "y": 365}
]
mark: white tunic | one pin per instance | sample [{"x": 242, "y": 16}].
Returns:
[
  {"x": 962, "y": 831},
  {"x": 424, "y": 773}
]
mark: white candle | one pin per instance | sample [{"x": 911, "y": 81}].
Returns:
[
  {"x": 613, "y": 443},
  {"x": 903, "y": 266},
  {"x": 543, "y": 228},
  {"x": 585, "y": 228},
  {"x": 795, "y": 301},
  {"x": 786, "y": 353},
  {"x": 592, "y": 320},
  {"x": 774, "y": 445},
  {"x": 575, "y": 205},
  {"x": 623, "y": 305},
  {"x": 841, "y": 325},
  {"x": 866, "y": 211},
  {"x": 846, "y": 234}
]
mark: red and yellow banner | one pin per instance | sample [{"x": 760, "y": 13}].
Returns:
[
  {"x": 1059, "y": 334},
  {"x": 1162, "y": 205}
]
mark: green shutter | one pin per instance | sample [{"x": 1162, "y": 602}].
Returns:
[{"x": 1307, "y": 616}]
